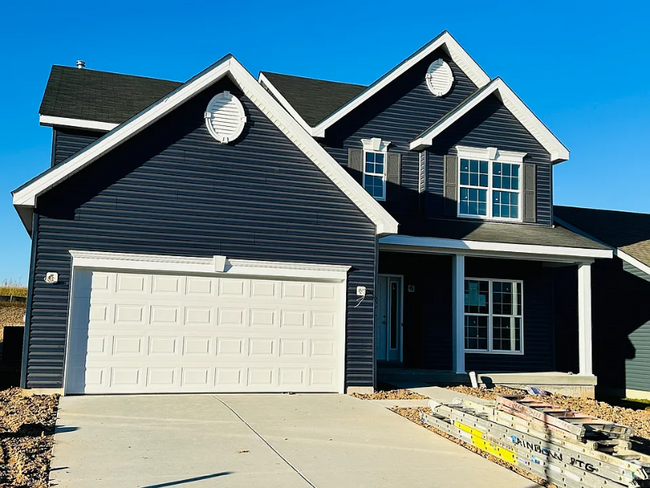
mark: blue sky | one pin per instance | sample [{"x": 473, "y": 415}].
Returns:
[{"x": 583, "y": 67}]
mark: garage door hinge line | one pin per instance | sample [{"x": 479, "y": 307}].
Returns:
[{"x": 265, "y": 441}]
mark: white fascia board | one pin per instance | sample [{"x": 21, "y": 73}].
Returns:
[
  {"x": 384, "y": 222},
  {"x": 264, "y": 81},
  {"x": 457, "y": 54},
  {"x": 461, "y": 246},
  {"x": 52, "y": 121},
  {"x": 633, "y": 261},
  {"x": 210, "y": 266},
  {"x": 516, "y": 106}
]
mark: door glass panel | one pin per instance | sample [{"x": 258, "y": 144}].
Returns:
[{"x": 393, "y": 315}]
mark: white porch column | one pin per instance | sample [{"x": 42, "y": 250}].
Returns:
[
  {"x": 458, "y": 313},
  {"x": 584, "y": 319}
]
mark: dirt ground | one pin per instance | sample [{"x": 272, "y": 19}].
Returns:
[
  {"x": 11, "y": 315},
  {"x": 26, "y": 437},
  {"x": 390, "y": 395},
  {"x": 638, "y": 419}
]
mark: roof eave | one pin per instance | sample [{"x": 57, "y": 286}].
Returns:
[{"x": 55, "y": 121}]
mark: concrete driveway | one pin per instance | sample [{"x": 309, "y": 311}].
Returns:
[{"x": 256, "y": 441}]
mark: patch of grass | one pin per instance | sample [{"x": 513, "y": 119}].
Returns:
[{"x": 13, "y": 291}]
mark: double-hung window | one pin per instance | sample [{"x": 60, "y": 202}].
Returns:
[
  {"x": 490, "y": 183},
  {"x": 493, "y": 316},
  {"x": 374, "y": 174},
  {"x": 374, "y": 166}
]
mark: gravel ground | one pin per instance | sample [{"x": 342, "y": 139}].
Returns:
[
  {"x": 413, "y": 414},
  {"x": 638, "y": 419},
  {"x": 26, "y": 436},
  {"x": 390, "y": 395}
]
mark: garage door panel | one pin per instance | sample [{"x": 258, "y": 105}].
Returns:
[{"x": 140, "y": 332}]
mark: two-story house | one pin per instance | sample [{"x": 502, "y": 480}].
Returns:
[{"x": 291, "y": 234}]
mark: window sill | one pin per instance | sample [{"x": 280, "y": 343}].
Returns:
[
  {"x": 496, "y": 353},
  {"x": 490, "y": 219}
]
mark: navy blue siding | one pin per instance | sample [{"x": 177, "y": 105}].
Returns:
[
  {"x": 399, "y": 113},
  {"x": 428, "y": 312},
  {"x": 174, "y": 190},
  {"x": 68, "y": 142},
  {"x": 490, "y": 124}
]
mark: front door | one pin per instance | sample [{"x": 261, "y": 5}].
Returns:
[{"x": 388, "y": 318}]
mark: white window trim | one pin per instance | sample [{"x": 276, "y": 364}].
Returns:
[
  {"x": 491, "y": 315},
  {"x": 491, "y": 155},
  {"x": 376, "y": 145}
]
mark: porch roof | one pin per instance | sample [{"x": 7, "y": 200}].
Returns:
[
  {"x": 497, "y": 232},
  {"x": 472, "y": 236}
]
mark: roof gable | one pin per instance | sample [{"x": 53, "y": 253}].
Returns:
[
  {"x": 513, "y": 103},
  {"x": 444, "y": 40},
  {"x": 26, "y": 196}
]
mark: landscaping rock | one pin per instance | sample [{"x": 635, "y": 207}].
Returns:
[
  {"x": 26, "y": 436},
  {"x": 390, "y": 395}
]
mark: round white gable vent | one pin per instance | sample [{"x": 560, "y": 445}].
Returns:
[
  {"x": 439, "y": 78},
  {"x": 225, "y": 117}
]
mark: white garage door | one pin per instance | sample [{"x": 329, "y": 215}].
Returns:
[{"x": 150, "y": 333}]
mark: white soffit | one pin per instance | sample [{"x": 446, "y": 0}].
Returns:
[
  {"x": 227, "y": 66},
  {"x": 514, "y": 104},
  {"x": 52, "y": 121},
  {"x": 444, "y": 40}
]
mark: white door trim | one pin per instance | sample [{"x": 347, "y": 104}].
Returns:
[{"x": 217, "y": 265}]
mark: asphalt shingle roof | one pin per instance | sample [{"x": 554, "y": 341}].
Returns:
[
  {"x": 100, "y": 96},
  {"x": 497, "y": 232},
  {"x": 627, "y": 231},
  {"x": 313, "y": 99}
]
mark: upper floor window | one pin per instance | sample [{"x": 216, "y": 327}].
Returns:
[
  {"x": 490, "y": 183},
  {"x": 374, "y": 174},
  {"x": 375, "y": 167}
]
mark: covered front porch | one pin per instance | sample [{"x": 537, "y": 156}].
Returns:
[{"x": 445, "y": 307}]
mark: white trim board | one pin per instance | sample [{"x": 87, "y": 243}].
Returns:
[
  {"x": 53, "y": 121},
  {"x": 512, "y": 251},
  {"x": 230, "y": 67},
  {"x": 445, "y": 40},
  {"x": 219, "y": 265},
  {"x": 265, "y": 82},
  {"x": 514, "y": 104}
]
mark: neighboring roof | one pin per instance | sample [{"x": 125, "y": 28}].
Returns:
[
  {"x": 88, "y": 95},
  {"x": 445, "y": 40},
  {"x": 25, "y": 196},
  {"x": 513, "y": 103},
  {"x": 628, "y": 232},
  {"x": 312, "y": 99},
  {"x": 497, "y": 232}
]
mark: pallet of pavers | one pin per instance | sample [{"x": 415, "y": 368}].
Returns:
[{"x": 567, "y": 448}]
